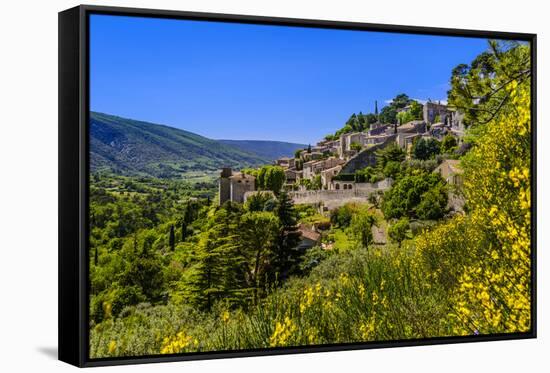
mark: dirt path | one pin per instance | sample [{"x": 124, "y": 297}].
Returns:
[{"x": 379, "y": 234}]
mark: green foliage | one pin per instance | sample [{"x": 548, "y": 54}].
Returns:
[
  {"x": 271, "y": 178},
  {"x": 312, "y": 258},
  {"x": 286, "y": 255},
  {"x": 355, "y": 146},
  {"x": 312, "y": 184},
  {"x": 392, "y": 169},
  {"x": 342, "y": 216},
  {"x": 367, "y": 175},
  {"x": 448, "y": 144},
  {"x": 388, "y": 114},
  {"x": 416, "y": 110},
  {"x": 433, "y": 203},
  {"x": 410, "y": 196},
  {"x": 258, "y": 202},
  {"x": 361, "y": 227},
  {"x": 390, "y": 153},
  {"x": 398, "y": 230},
  {"x": 404, "y": 117},
  {"x": 424, "y": 149},
  {"x": 172, "y": 238},
  {"x": 478, "y": 90},
  {"x": 356, "y": 123}
]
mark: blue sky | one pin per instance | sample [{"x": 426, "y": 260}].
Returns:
[{"x": 237, "y": 81}]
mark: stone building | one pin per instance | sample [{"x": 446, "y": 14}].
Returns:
[
  {"x": 451, "y": 171},
  {"x": 349, "y": 138},
  {"x": 432, "y": 110},
  {"x": 292, "y": 176},
  {"x": 312, "y": 168},
  {"x": 366, "y": 157},
  {"x": 283, "y": 162},
  {"x": 233, "y": 185},
  {"x": 378, "y": 129},
  {"x": 328, "y": 174}
]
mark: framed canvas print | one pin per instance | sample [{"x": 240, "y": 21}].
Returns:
[{"x": 237, "y": 185}]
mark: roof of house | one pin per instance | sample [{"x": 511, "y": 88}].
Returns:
[
  {"x": 338, "y": 167},
  {"x": 452, "y": 164},
  {"x": 309, "y": 233},
  {"x": 410, "y": 125}
]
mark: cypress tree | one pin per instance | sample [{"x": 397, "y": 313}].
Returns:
[
  {"x": 183, "y": 229},
  {"x": 172, "y": 238}
]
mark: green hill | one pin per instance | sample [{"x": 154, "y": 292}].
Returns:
[
  {"x": 132, "y": 147},
  {"x": 266, "y": 149}
]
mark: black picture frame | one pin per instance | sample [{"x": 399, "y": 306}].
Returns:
[{"x": 73, "y": 165}]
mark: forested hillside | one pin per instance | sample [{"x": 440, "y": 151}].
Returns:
[
  {"x": 266, "y": 149},
  {"x": 130, "y": 147}
]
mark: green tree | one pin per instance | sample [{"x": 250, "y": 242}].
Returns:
[
  {"x": 392, "y": 169},
  {"x": 286, "y": 254},
  {"x": 404, "y": 117},
  {"x": 433, "y": 204},
  {"x": 426, "y": 148},
  {"x": 274, "y": 178},
  {"x": 448, "y": 144},
  {"x": 390, "y": 153},
  {"x": 398, "y": 230},
  {"x": 172, "y": 238},
  {"x": 257, "y": 201},
  {"x": 361, "y": 227},
  {"x": 220, "y": 266},
  {"x": 258, "y": 233},
  {"x": 371, "y": 119},
  {"x": 479, "y": 89},
  {"x": 417, "y": 110},
  {"x": 408, "y": 192}
]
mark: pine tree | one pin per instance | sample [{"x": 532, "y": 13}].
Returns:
[
  {"x": 287, "y": 253},
  {"x": 258, "y": 232},
  {"x": 219, "y": 273}
]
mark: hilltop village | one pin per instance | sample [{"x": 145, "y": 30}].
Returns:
[{"x": 327, "y": 172}]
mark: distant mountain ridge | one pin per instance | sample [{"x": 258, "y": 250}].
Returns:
[
  {"x": 266, "y": 149},
  {"x": 133, "y": 147}
]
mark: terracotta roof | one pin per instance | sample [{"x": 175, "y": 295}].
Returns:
[
  {"x": 454, "y": 166},
  {"x": 309, "y": 233}
]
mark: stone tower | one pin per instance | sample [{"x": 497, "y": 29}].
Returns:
[
  {"x": 225, "y": 185},
  {"x": 240, "y": 184}
]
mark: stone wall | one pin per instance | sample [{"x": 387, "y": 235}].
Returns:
[
  {"x": 365, "y": 158},
  {"x": 335, "y": 198}
]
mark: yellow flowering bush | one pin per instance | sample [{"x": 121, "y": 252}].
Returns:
[
  {"x": 495, "y": 289},
  {"x": 178, "y": 343},
  {"x": 283, "y": 333}
]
